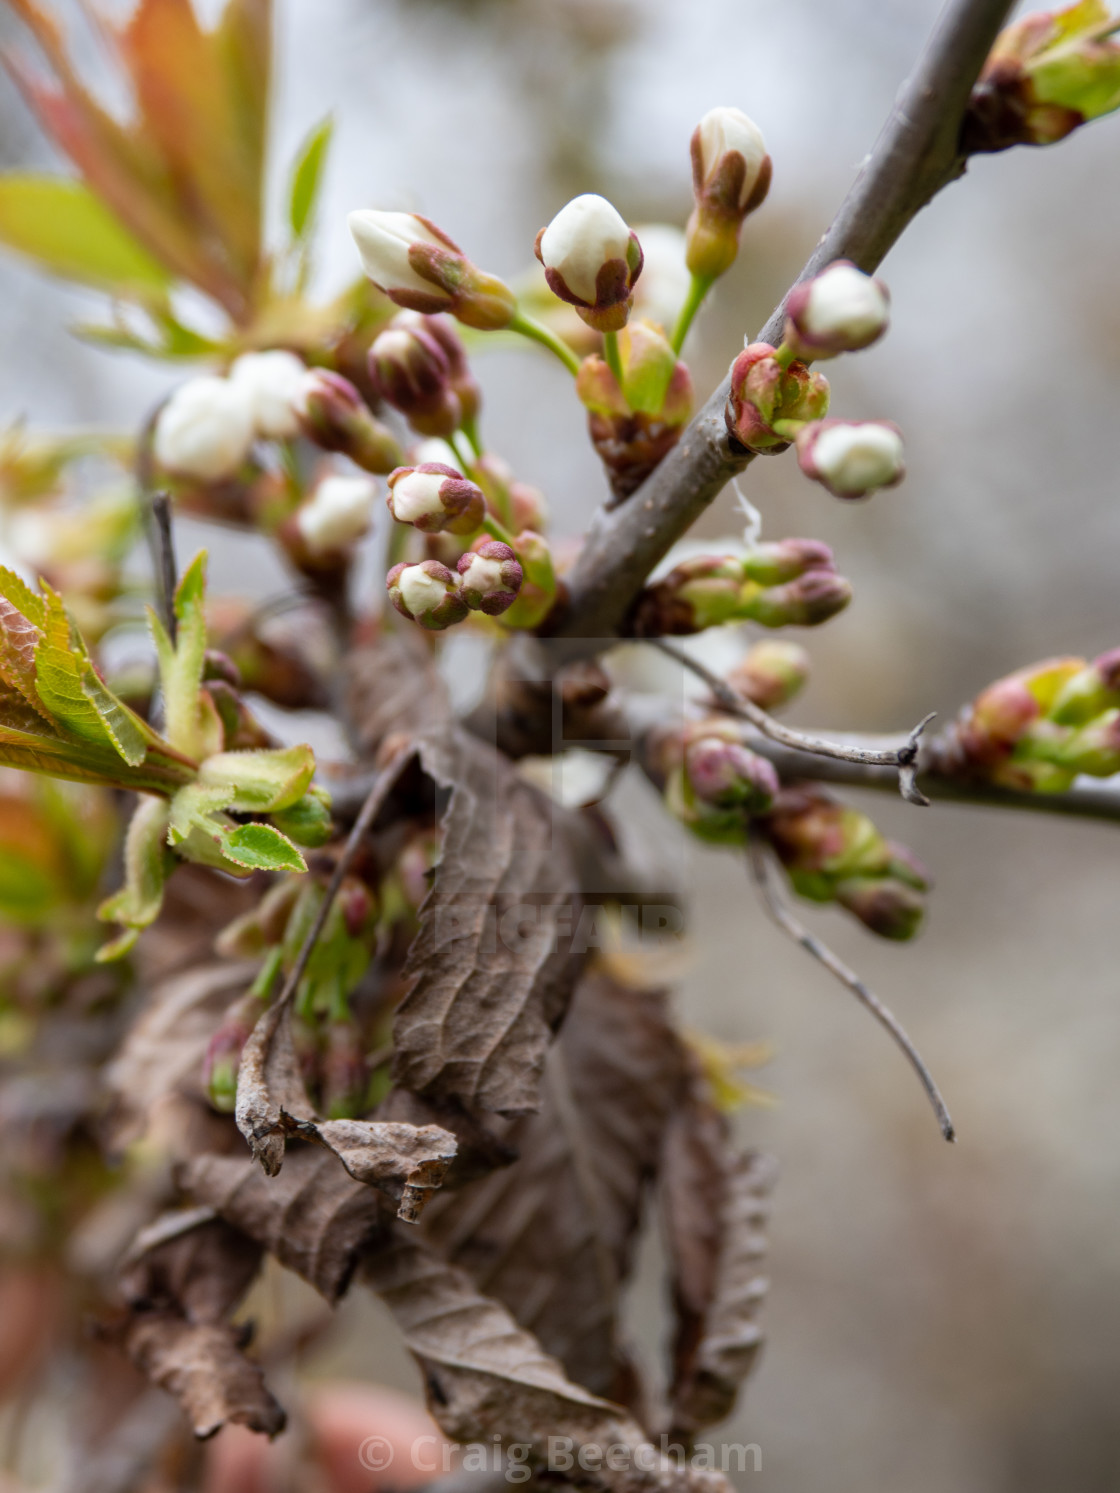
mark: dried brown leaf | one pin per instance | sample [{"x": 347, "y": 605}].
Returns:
[
  {"x": 269, "y": 1087},
  {"x": 202, "y": 1365},
  {"x": 551, "y": 1236},
  {"x": 313, "y": 1217},
  {"x": 715, "y": 1205},
  {"x": 191, "y": 1262},
  {"x": 406, "y": 1162},
  {"x": 487, "y": 1377},
  {"x": 490, "y": 968}
]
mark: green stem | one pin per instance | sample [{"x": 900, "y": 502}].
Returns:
[
  {"x": 539, "y": 333},
  {"x": 470, "y": 430},
  {"x": 466, "y": 459},
  {"x": 612, "y": 356},
  {"x": 698, "y": 289},
  {"x": 785, "y": 354}
]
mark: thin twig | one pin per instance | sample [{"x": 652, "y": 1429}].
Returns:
[
  {"x": 775, "y": 905},
  {"x": 167, "y": 576},
  {"x": 917, "y": 153},
  {"x": 903, "y": 757}
]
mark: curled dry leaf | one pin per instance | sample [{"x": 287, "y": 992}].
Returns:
[
  {"x": 406, "y": 1162},
  {"x": 551, "y": 1236},
  {"x": 203, "y": 1366},
  {"x": 313, "y": 1217},
  {"x": 269, "y": 1087},
  {"x": 491, "y": 967},
  {"x": 181, "y": 1279},
  {"x": 487, "y": 1377},
  {"x": 715, "y": 1206}
]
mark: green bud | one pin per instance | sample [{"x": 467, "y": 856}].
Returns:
[{"x": 307, "y": 822}]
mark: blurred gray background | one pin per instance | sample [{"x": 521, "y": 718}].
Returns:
[{"x": 944, "y": 1320}]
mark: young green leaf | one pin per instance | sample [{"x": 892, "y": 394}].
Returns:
[
  {"x": 259, "y": 847},
  {"x": 191, "y": 723},
  {"x": 63, "y": 226},
  {"x": 262, "y": 780},
  {"x": 69, "y": 688},
  {"x": 136, "y": 906},
  {"x": 307, "y": 179}
]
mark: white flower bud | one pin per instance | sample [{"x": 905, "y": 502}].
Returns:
[
  {"x": 839, "y": 310},
  {"x": 421, "y": 592},
  {"x": 851, "y": 458},
  {"x": 417, "y": 497},
  {"x": 273, "y": 385},
  {"x": 724, "y": 131},
  {"x": 383, "y": 241},
  {"x": 204, "y": 430},
  {"x": 581, "y": 238},
  {"x": 427, "y": 593},
  {"x": 338, "y": 512}
]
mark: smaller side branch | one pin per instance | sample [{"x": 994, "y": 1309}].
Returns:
[
  {"x": 762, "y": 874},
  {"x": 167, "y": 577},
  {"x": 904, "y": 757}
]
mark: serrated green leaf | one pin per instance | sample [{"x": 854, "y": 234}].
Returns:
[
  {"x": 19, "y": 638},
  {"x": 261, "y": 780},
  {"x": 259, "y": 847},
  {"x": 69, "y": 687},
  {"x": 67, "y": 229},
  {"x": 15, "y": 590},
  {"x": 307, "y": 178},
  {"x": 192, "y": 808}
]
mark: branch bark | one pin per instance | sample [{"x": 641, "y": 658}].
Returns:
[{"x": 917, "y": 153}]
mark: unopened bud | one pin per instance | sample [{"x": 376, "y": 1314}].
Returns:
[
  {"x": 1046, "y": 74},
  {"x": 337, "y": 514},
  {"x": 1089, "y": 692},
  {"x": 334, "y": 415},
  {"x": 704, "y": 591},
  {"x": 838, "y": 311},
  {"x": 1093, "y": 749},
  {"x": 771, "y": 674},
  {"x": 730, "y": 178},
  {"x": 806, "y": 602},
  {"x": 490, "y": 578},
  {"x": 537, "y": 595},
  {"x": 410, "y": 370},
  {"x": 885, "y": 906},
  {"x": 764, "y": 394},
  {"x": 777, "y": 561},
  {"x": 462, "y": 380},
  {"x": 727, "y": 775},
  {"x": 308, "y": 821},
  {"x": 419, "y": 267},
  {"x": 435, "y": 498},
  {"x": 427, "y": 593},
  {"x": 591, "y": 260},
  {"x": 204, "y": 430},
  {"x": 852, "y": 458},
  {"x": 271, "y": 383}
]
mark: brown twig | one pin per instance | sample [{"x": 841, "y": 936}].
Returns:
[
  {"x": 167, "y": 575},
  {"x": 761, "y": 872},
  {"x": 903, "y": 756},
  {"x": 917, "y": 153}
]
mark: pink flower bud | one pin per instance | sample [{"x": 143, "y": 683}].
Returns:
[
  {"x": 730, "y": 178},
  {"x": 435, "y": 498},
  {"x": 838, "y": 311},
  {"x": 764, "y": 393},
  {"x": 851, "y": 458},
  {"x": 591, "y": 260},
  {"x": 419, "y": 267},
  {"x": 808, "y": 601},
  {"x": 728, "y": 775},
  {"x": 427, "y": 593},
  {"x": 335, "y": 417},
  {"x": 462, "y": 380},
  {"x": 771, "y": 674},
  {"x": 410, "y": 370},
  {"x": 490, "y": 578}
]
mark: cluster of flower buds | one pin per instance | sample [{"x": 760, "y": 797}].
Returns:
[
  {"x": 1046, "y": 74},
  {"x": 790, "y": 582},
  {"x": 206, "y": 429},
  {"x": 771, "y": 673},
  {"x": 713, "y": 783},
  {"x": 1038, "y": 728},
  {"x": 835, "y": 854},
  {"x": 775, "y": 399},
  {"x": 591, "y": 260},
  {"x": 730, "y": 178},
  {"x": 634, "y": 421},
  {"x": 333, "y": 415},
  {"x": 419, "y": 365},
  {"x": 772, "y": 399},
  {"x": 419, "y": 268}
]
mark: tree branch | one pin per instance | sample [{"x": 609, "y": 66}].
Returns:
[{"x": 916, "y": 154}]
